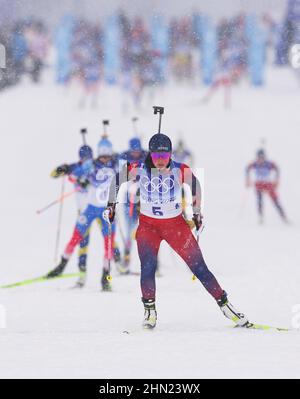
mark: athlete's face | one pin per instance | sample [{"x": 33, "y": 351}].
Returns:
[
  {"x": 261, "y": 158},
  {"x": 105, "y": 158},
  {"x": 160, "y": 159}
]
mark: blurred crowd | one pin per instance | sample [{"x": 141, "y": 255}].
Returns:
[
  {"x": 27, "y": 44},
  {"x": 143, "y": 64},
  {"x": 146, "y": 64}
]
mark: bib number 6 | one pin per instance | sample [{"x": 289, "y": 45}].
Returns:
[{"x": 157, "y": 211}]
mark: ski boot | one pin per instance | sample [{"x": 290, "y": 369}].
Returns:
[
  {"x": 105, "y": 281},
  {"x": 58, "y": 270},
  {"x": 231, "y": 313},
  {"x": 123, "y": 267},
  {"x": 150, "y": 315},
  {"x": 82, "y": 278}
]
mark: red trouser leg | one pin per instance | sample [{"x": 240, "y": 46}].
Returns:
[
  {"x": 259, "y": 195},
  {"x": 273, "y": 194},
  {"x": 76, "y": 238},
  {"x": 180, "y": 237},
  {"x": 270, "y": 189},
  {"x": 148, "y": 243}
]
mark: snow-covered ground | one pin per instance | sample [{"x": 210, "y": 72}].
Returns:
[{"x": 53, "y": 331}]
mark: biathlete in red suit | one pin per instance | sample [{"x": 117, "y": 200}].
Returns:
[
  {"x": 160, "y": 181},
  {"x": 266, "y": 180}
]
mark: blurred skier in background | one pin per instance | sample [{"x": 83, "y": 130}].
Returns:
[
  {"x": 87, "y": 60},
  {"x": 232, "y": 58},
  {"x": 181, "y": 49},
  {"x": 19, "y": 51},
  {"x": 38, "y": 48},
  {"x": 77, "y": 172},
  {"x": 98, "y": 183},
  {"x": 266, "y": 181}
]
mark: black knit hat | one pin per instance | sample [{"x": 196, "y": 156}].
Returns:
[{"x": 160, "y": 143}]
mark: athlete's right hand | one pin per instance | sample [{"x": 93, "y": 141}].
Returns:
[
  {"x": 197, "y": 218},
  {"x": 110, "y": 213}
]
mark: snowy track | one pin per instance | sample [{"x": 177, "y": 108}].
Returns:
[{"x": 53, "y": 331}]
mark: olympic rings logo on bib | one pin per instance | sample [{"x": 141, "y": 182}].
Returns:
[{"x": 156, "y": 184}]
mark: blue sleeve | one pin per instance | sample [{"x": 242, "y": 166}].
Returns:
[{"x": 81, "y": 170}]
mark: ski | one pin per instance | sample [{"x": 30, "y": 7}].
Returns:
[
  {"x": 250, "y": 326},
  {"x": 39, "y": 280},
  {"x": 157, "y": 274},
  {"x": 128, "y": 274},
  {"x": 139, "y": 330},
  {"x": 263, "y": 327}
]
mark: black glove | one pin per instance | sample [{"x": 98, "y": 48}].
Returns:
[
  {"x": 197, "y": 219},
  {"x": 60, "y": 171},
  {"x": 83, "y": 183},
  {"x": 111, "y": 211}
]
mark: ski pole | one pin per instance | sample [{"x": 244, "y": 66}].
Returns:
[
  {"x": 109, "y": 277},
  {"x": 109, "y": 244},
  {"x": 59, "y": 221},
  {"x": 57, "y": 201},
  {"x": 160, "y": 111},
  {"x": 121, "y": 233}
]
